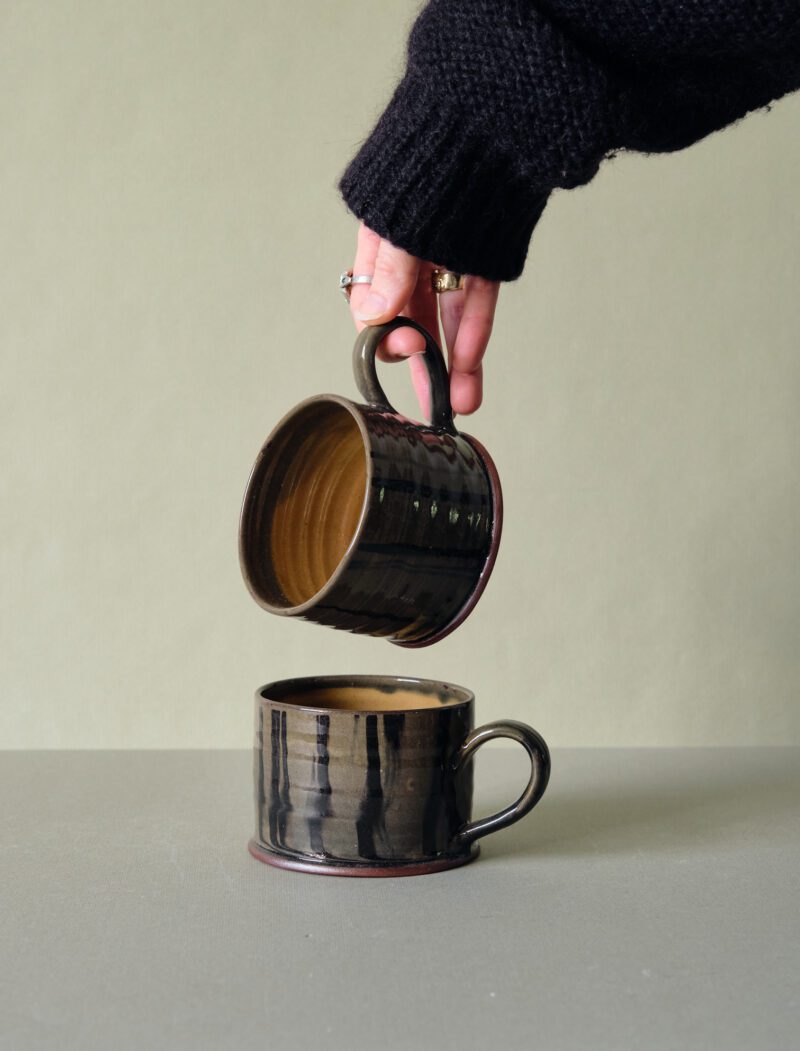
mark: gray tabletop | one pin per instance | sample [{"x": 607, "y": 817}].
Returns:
[{"x": 650, "y": 901}]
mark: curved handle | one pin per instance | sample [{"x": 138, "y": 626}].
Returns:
[
  {"x": 367, "y": 343},
  {"x": 540, "y": 773}
]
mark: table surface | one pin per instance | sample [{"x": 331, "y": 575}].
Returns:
[{"x": 650, "y": 901}]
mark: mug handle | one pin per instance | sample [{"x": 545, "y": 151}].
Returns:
[
  {"x": 539, "y": 754},
  {"x": 366, "y": 347}
]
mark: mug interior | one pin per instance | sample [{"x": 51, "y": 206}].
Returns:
[
  {"x": 365, "y": 694},
  {"x": 311, "y": 496}
]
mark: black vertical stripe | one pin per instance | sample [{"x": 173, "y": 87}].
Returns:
[
  {"x": 433, "y": 818},
  {"x": 260, "y": 800},
  {"x": 320, "y": 804},
  {"x": 370, "y": 818},
  {"x": 285, "y": 796},
  {"x": 274, "y": 789},
  {"x": 393, "y": 723}
]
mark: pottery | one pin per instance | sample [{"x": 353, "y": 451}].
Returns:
[
  {"x": 372, "y": 775},
  {"x": 361, "y": 519}
]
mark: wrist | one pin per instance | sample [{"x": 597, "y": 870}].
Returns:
[{"x": 429, "y": 181}]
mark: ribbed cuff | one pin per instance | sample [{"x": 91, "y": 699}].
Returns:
[{"x": 427, "y": 180}]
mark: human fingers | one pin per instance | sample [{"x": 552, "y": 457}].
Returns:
[
  {"x": 393, "y": 282},
  {"x": 367, "y": 245},
  {"x": 451, "y": 308},
  {"x": 470, "y": 325},
  {"x": 394, "y": 277},
  {"x": 422, "y": 308},
  {"x": 394, "y": 273}
]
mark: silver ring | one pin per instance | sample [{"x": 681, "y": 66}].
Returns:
[{"x": 347, "y": 280}]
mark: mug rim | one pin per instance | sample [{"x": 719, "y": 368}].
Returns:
[
  {"x": 330, "y": 583},
  {"x": 461, "y": 695}
]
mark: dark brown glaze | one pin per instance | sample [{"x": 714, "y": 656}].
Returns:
[
  {"x": 425, "y": 539},
  {"x": 361, "y": 786},
  {"x": 400, "y": 545},
  {"x": 494, "y": 544},
  {"x": 373, "y": 773}
]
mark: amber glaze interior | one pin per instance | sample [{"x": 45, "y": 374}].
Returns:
[
  {"x": 358, "y": 700},
  {"x": 365, "y": 693},
  {"x": 353, "y": 698},
  {"x": 315, "y": 491}
]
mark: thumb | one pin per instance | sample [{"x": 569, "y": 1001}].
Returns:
[{"x": 393, "y": 283}]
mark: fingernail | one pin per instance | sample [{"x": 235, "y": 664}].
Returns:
[{"x": 373, "y": 306}]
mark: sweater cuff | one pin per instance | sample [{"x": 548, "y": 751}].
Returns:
[{"x": 430, "y": 182}]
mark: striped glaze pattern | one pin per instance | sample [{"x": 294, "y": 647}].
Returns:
[
  {"x": 360, "y": 787},
  {"x": 373, "y": 774}
]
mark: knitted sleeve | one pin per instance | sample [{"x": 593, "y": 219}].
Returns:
[{"x": 502, "y": 101}]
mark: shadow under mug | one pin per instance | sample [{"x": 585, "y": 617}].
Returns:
[
  {"x": 372, "y": 776},
  {"x": 361, "y": 519}
]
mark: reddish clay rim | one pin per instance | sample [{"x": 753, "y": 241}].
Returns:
[
  {"x": 413, "y": 868},
  {"x": 486, "y": 572}
]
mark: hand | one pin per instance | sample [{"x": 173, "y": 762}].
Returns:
[{"x": 402, "y": 285}]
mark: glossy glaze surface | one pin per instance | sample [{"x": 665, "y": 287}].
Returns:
[
  {"x": 392, "y": 537},
  {"x": 359, "y": 786},
  {"x": 372, "y": 774}
]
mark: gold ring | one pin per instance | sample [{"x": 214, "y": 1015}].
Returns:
[{"x": 446, "y": 281}]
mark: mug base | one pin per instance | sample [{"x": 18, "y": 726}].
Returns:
[{"x": 365, "y": 869}]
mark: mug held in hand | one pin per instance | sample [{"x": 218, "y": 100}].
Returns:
[{"x": 361, "y": 519}]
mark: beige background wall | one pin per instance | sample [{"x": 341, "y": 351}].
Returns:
[{"x": 171, "y": 240}]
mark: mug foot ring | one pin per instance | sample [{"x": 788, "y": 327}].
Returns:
[{"x": 409, "y": 868}]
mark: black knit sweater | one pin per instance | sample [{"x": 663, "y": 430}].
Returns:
[{"x": 502, "y": 101}]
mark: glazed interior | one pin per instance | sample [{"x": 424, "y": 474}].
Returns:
[
  {"x": 310, "y": 502},
  {"x": 370, "y": 694}
]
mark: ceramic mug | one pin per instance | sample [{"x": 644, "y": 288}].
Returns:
[
  {"x": 361, "y": 519},
  {"x": 371, "y": 775}
]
